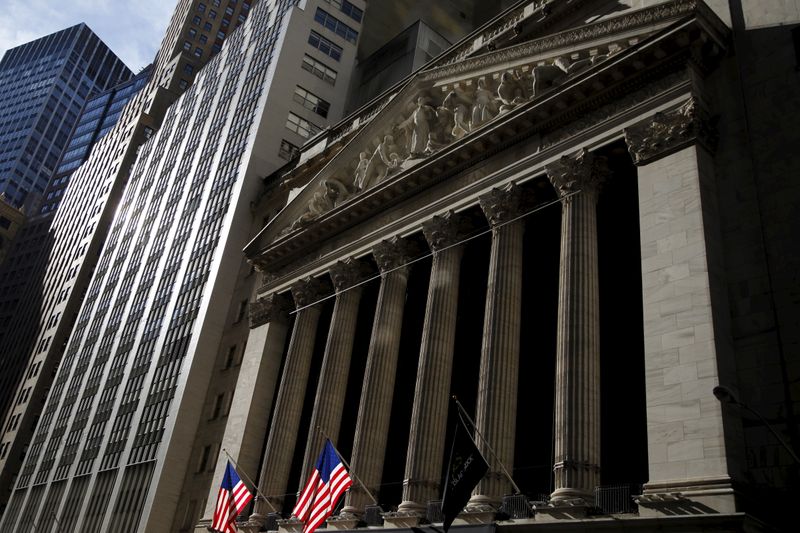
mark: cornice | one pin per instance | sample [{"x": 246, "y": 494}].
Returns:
[{"x": 659, "y": 14}]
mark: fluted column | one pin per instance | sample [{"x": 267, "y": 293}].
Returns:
[
  {"x": 328, "y": 403},
  {"x": 375, "y": 407},
  {"x": 577, "y": 389},
  {"x": 429, "y": 414},
  {"x": 496, "y": 411},
  {"x": 289, "y": 405}
]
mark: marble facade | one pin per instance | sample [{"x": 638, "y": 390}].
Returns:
[{"x": 501, "y": 134}]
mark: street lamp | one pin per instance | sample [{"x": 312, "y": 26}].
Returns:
[{"x": 725, "y": 395}]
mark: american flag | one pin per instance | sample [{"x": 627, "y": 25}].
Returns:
[
  {"x": 324, "y": 488},
  {"x": 233, "y": 497}
]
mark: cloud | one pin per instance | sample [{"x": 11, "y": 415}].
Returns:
[{"x": 133, "y": 30}]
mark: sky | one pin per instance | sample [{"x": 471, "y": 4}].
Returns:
[{"x": 131, "y": 28}]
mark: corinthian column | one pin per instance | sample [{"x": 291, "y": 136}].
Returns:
[
  {"x": 429, "y": 414},
  {"x": 375, "y": 407},
  {"x": 577, "y": 389},
  {"x": 289, "y": 404},
  {"x": 497, "y": 386},
  {"x": 327, "y": 413}
]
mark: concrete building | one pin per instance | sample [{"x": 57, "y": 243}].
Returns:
[
  {"x": 43, "y": 86},
  {"x": 579, "y": 220},
  {"x": 57, "y": 276},
  {"x": 27, "y": 255}
]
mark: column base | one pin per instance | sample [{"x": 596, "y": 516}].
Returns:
[
  {"x": 404, "y": 518},
  {"x": 343, "y": 521},
  {"x": 476, "y": 514},
  {"x": 563, "y": 509},
  {"x": 202, "y": 526},
  {"x": 290, "y": 525},
  {"x": 689, "y": 496}
]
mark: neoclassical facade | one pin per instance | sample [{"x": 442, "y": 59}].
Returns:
[{"x": 533, "y": 224}]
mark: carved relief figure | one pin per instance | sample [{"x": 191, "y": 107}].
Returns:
[
  {"x": 510, "y": 92},
  {"x": 423, "y": 117},
  {"x": 330, "y": 193},
  {"x": 380, "y": 163},
  {"x": 443, "y": 132},
  {"x": 460, "y": 115},
  {"x": 547, "y": 76},
  {"x": 481, "y": 109},
  {"x": 361, "y": 170}
]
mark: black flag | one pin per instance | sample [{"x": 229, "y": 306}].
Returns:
[{"x": 465, "y": 469}]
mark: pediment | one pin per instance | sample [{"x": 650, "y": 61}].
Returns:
[{"x": 459, "y": 104}]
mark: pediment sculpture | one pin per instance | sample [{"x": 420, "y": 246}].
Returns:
[{"x": 431, "y": 122}]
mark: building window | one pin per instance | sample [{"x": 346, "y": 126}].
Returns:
[
  {"x": 325, "y": 46},
  {"x": 212, "y": 14},
  {"x": 347, "y": 8},
  {"x": 207, "y": 26},
  {"x": 217, "y": 410},
  {"x": 242, "y": 312},
  {"x": 188, "y": 69},
  {"x": 183, "y": 84},
  {"x": 301, "y": 126},
  {"x": 205, "y": 455},
  {"x": 311, "y": 101},
  {"x": 230, "y": 359},
  {"x": 192, "y": 32},
  {"x": 196, "y": 20},
  {"x": 288, "y": 151},
  {"x": 187, "y": 45},
  {"x": 318, "y": 69},
  {"x": 336, "y": 26},
  {"x": 201, "y": 8},
  {"x": 203, "y": 38},
  {"x": 198, "y": 52},
  {"x": 220, "y": 34}
]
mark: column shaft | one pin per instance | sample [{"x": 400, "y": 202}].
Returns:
[
  {"x": 429, "y": 414},
  {"x": 288, "y": 406},
  {"x": 499, "y": 369},
  {"x": 577, "y": 387},
  {"x": 332, "y": 387},
  {"x": 375, "y": 407}
]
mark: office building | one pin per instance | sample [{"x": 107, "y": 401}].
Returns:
[
  {"x": 11, "y": 219},
  {"x": 43, "y": 86},
  {"x": 98, "y": 116},
  {"x": 48, "y": 288}
]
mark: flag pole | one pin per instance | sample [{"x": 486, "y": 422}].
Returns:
[
  {"x": 258, "y": 492},
  {"x": 489, "y": 446},
  {"x": 350, "y": 470}
]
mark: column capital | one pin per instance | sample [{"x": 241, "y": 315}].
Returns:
[
  {"x": 345, "y": 274},
  {"x": 502, "y": 204},
  {"x": 583, "y": 171},
  {"x": 667, "y": 132},
  {"x": 268, "y": 309},
  {"x": 309, "y": 290},
  {"x": 442, "y": 230},
  {"x": 393, "y": 253}
]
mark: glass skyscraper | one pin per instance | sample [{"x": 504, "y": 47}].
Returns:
[
  {"x": 98, "y": 116},
  {"x": 43, "y": 86}
]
